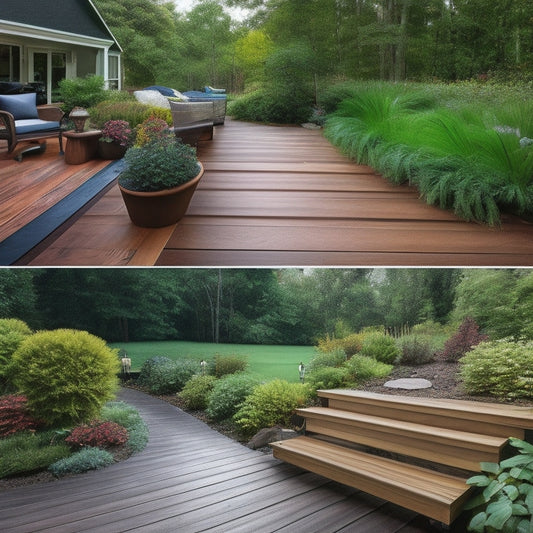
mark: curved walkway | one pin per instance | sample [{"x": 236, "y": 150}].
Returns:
[{"x": 191, "y": 479}]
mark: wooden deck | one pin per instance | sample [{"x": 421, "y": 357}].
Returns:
[
  {"x": 283, "y": 196},
  {"x": 191, "y": 479}
]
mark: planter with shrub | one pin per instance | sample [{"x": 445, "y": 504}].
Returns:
[{"x": 160, "y": 178}]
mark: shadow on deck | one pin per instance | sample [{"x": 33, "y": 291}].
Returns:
[{"x": 191, "y": 479}]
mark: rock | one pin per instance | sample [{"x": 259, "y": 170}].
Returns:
[
  {"x": 266, "y": 435},
  {"x": 408, "y": 383}
]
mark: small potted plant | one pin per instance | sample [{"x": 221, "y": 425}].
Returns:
[
  {"x": 160, "y": 177},
  {"x": 115, "y": 140}
]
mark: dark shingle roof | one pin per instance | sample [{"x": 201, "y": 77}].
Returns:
[{"x": 73, "y": 16}]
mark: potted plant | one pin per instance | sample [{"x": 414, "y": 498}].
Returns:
[
  {"x": 115, "y": 140},
  {"x": 159, "y": 180}
]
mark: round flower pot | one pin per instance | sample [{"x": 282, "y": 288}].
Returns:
[
  {"x": 111, "y": 150},
  {"x": 160, "y": 208}
]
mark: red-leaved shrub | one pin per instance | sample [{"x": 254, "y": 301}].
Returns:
[
  {"x": 463, "y": 341},
  {"x": 14, "y": 416},
  {"x": 98, "y": 434}
]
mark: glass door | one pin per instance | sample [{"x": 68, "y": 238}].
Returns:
[{"x": 47, "y": 69}]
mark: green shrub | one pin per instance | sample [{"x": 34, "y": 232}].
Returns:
[
  {"x": 145, "y": 374},
  {"x": 416, "y": 350},
  {"x": 335, "y": 358},
  {"x": 83, "y": 92},
  {"x": 128, "y": 417},
  {"x": 381, "y": 347},
  {"x": 27, "y": 453},
  {"x": 12, "y": 333},
  {"x": 499, "y": 368},
  {"x": 169, "y": 377},
  {"x": 227, "y": 394},
  {"x": 196, "y": 392},
  {"x": 327, "y": 377},
  {"x": 67, "y": 375},
  {"x": 270, "y": 404},
  {"x": 361, "y": 368},
  {"x": 82, "y": 461},
  {"x": 229, "y": 364},
  {"x": 129, "y": 110}
]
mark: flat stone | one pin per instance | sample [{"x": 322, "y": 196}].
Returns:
[{"x": 408, "y": 383}]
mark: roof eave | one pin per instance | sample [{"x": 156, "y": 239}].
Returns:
[{"x": 24, "y": 30}]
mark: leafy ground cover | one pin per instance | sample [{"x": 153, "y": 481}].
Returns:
[{"x": 264, "y": 361}]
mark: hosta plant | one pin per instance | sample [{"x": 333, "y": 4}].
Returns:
[{"x": 505, "y": 500}]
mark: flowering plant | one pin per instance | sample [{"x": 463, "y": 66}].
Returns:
[
  {"x": 117, "y": 131},
  {"x": 151, "y": 129}
]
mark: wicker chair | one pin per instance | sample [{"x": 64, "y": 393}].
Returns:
[
  {"x": 22, "y": 120},
  {"x": 193, "y": 121}
]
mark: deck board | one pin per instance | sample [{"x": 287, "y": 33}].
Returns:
[
  {"x": 283, "y": 196},
  {"x": 190, "y": 479}
]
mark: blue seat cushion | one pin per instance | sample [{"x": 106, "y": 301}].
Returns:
[
  {"x": 35, "y": 125},
  {"x": 21, "y": 106}
]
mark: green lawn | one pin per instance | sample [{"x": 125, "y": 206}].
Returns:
[{"x": 267, "y": 362}]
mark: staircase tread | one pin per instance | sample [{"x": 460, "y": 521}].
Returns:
[
  {"x": 520, "y": 414},
  {"x": 390, "y": 425},
  {"x": 415, "y": 479}
]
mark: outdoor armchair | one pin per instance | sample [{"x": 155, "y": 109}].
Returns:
[{"x": 22, "y": 120}]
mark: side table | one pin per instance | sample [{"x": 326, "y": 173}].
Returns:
[{"x": 81, "y": 147}]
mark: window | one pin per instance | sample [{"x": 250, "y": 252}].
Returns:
[
  {"x": 9, "y": 63},
  {"x": 114, "y": 72}
]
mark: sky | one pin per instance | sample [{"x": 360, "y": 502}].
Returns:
[{"x": 187, "y": 5}]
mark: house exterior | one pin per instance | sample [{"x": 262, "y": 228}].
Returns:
[{"x": 45, "y": 41}]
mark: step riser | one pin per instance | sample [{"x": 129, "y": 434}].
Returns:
[
  {"x": 449, "y": 421},
  {"x": 445, "y": 454},
  {"x": 416, "y": 502}
]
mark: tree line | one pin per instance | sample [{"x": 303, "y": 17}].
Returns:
[
  {"x": 393, "y": 40},
  {"x": 264, "y": 306}
]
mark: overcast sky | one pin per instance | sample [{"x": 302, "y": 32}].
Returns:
[{"x": 186, "y": 5}]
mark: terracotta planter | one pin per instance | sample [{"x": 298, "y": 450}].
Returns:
[
  {"x": 160, "y": 208},
  {"x": 111, "y": 150}
]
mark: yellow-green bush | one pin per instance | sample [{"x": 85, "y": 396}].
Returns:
[
  {"x": 499, "y": 368},
  {"x": 196, "y": 392},
  {"x": 67, "y": 375},
  {"x": 12, "y": 333},
  {"x": 270, "y": 404}
]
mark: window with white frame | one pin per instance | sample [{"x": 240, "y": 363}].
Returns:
[{"x": 113, "y": 72}]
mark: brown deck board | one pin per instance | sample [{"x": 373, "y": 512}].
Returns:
[
  {"x": 189, "y": 479},
  {"x": 283, "y": 196}
]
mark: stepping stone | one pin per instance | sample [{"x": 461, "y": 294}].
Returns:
[{"x": 409, "y": 383}]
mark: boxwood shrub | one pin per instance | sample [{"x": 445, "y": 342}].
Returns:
[
  {"x": 67, "y": 375},
  {"x": 499, "y": 368},
  {"x": 271, "y": 404}
]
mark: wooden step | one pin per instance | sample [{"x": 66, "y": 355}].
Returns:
[
  {"x": 459, "y": 449},
  {"x": 430, "y": 493},
  {"x": 498, "y": 420}
]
